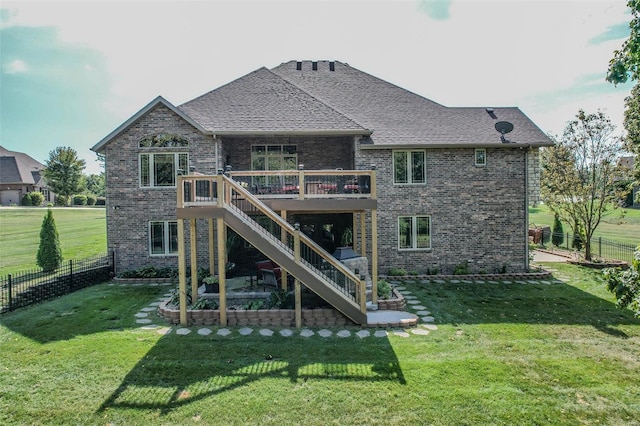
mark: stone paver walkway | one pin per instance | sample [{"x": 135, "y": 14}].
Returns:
[{"x": 146, "y": 318}]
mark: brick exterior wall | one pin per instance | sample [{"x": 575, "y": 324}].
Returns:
[
  {"x": 478, "y": 214},
  {"x": 130, "y": 207}
]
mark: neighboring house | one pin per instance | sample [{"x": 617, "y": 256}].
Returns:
[
  {"x": 20, "y": 174},
  {"x": 450, "y": 190},
  {"x": 633, "y": 198}
]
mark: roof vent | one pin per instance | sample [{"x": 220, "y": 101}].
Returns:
[
  {"x": 332, "y": 66},
  {"x": 491, "y": 113},
  {"x": 299, "y": 66},
  {"x": 314, "y": 65}
]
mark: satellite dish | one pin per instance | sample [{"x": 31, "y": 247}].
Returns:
[{"x": 504, "y": 127}]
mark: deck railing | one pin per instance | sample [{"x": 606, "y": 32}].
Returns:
[{"x": 225, "y": 191}]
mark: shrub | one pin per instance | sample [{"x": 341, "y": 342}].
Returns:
[
  {"x": 26, "y": 200},
  {"x": 150, "y": 272},
  {"x": 79, "y": 200},
  {"x": 384, "y": 289},
  {"x": 397, "y": 272},
  {"x": 557, "y": 234},
  {"x": 278, "y": 299},
  {"x": 461, "y": 269},
  {"x": 49, "y": 255},
  {"x": 62, "y": 200},
  {"x": 625, "y": 284},
  {"x": 37, "y": 198},
  {"x": 91, "y": 200},
  {"x": 101, "y": 201}
]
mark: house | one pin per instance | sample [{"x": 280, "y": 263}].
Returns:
[
  {"x": 336, "y": 153},
  {"x": 20, "y": 174}
]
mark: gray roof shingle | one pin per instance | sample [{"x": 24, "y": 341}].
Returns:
[
  {"x": 262, "y": 101},
  {"x": 17, "y": 167},
  {"x": 399, "y": 117}
]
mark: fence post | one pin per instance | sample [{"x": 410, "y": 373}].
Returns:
[
  {"x": 70, "y": 273},
  {"x": 600, "y": 247},
  {"x": 10, "y": 292},
  {"x": 113, "y": 263},
  {"x": 567, "y": 240}
]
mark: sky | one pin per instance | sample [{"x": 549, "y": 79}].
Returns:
[{"x": 71, "y": 72}]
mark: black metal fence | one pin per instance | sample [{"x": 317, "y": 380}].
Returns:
[
  {"x": 26, "y": 288},
  {"x": 600, "y": 247}
]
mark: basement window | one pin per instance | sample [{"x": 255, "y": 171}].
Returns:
[{"x": 481, "y": 157}]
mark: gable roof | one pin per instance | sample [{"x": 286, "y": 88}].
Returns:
[
  {"x": 17, "y": 167},
  {"x": 399, "y": 117},
  {"x": 263, "y": 102},
  {"x": 151, "y": 105},
  {"x": 333, "y": 98}
]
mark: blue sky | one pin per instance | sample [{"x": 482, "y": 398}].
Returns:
[{"x": 71, "y": 72}]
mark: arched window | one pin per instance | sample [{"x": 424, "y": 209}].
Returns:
[{"x": 164, "y": 140}]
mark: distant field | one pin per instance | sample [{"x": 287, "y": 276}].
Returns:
[
  {"x": 613, "y": 227},
  {"x": 83, "y": 233}
]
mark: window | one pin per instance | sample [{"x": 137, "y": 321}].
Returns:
[
  {"x": 274, "y": 157},
  {"x": 163, "y": 238},
  {"x": 409, "y": 167},
  {"x": 481, "y": 157},
  {"x": 160, "y": 169},
  {"x": 414, "y": 232}
]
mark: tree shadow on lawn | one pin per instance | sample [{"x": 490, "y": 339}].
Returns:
[
  {"x": 181, "y": 370},
  {"x": 555, "y": 303}
]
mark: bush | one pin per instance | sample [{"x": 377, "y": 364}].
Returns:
[
  {"x": 26, "y": 200},
  {"x": 79, "y": 200},
  {"x": 101, "y": 201},
  {"x": 62, "y": 200},
  {"x": 37, "y": 198},
  {"x": 461, "y": 269},
  {"x": 49, "y": 255},
  {"x": 557, "y": 236},
  {"x": 384, "y": 289},
  {"x": 150, "y": 272},
  {"x": 397, "y": 272},
  {"x": 91, "y": 200}
]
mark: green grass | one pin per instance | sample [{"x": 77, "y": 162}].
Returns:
[
  {"x": 503, "y": 354},
  {"x": 82, "y": 233},
  {"x": 622, "y": 229}
]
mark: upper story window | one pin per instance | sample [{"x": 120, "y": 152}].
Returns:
[
  {"x": 161, "y": 169},
  {"x": 481, "y": 157},
  {"x": 274, "y": 157},
  {"x": 409, "y": 167},
  {"x": 414, "y": 232},
  {"x": 164, "y": 140}
]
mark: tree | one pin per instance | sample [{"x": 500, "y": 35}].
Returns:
[
  {"x": 557, "y": 233},
  {"x": 49, "y": 255},
  {"x": 632, "y": 126},
  {"x": 95, "y": 184},
  {"x": 579, "y": 174},
  {"x": 625, "y": 284},
  {"x": 63, "y": 171},
  {"x": 625, "y": 63}
]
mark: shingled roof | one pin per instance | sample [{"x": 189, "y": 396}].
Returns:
[
  {"x": 399, "y": 117},
  {"x": 17, "y": 167},
  {"x": 263, "y": 102},
  {"x": 330, "y": 97}
]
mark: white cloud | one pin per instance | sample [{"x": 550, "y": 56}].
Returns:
[
  {"x": 477, "y": 53},
  {"x": 17, "y": 66}
]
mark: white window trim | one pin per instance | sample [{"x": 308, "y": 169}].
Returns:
[
  {"x": 165, "y": 239},
  {"x": 176, "y": 159},
  {"x": 475, "y": 157},
  {"x": 414, "y": 236},
  {"x": 409, "y": 166}
]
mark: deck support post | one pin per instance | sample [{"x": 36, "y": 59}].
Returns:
[
  {"x": 297, "y": 292},
  {"x": 182, "y": 274},
  {"x": 193, "y": 240},
  {"x": 212, "y": 259},
  {"x": 283, "y": 237},
  {"x": 374, "y": 256},
  {"x": 220, "y": 229}
]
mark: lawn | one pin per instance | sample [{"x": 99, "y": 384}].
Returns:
[
  {"x": 506, "y": 353},
  {"x": 624, "y": 229},
  {"x": 82, "y": 231}
]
